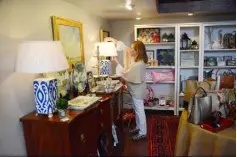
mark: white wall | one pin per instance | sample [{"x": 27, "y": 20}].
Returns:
[
  {"x": 124, "y": 29},
  {"x": 30, "y": 20}
]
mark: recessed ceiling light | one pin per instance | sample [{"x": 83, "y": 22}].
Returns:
[
  {"x": 138, "y": 18},
  {"x": 190, "y": 14},
  {"x": 129, "y": 6}
]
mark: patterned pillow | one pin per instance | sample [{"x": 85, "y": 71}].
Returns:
[{"x": 163, "y": 76}]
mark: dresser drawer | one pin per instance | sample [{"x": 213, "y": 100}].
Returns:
[
  {"x": 105, "y": 115},
  {"x": 83, "y": 134},
  {"x": 105, "y": 123}
]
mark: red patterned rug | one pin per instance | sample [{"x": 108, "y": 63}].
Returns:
[{"x": 162, "y": 135}]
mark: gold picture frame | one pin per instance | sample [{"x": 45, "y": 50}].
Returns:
[
  {"x": 70, "y": 82},
  {"x": 58, "y": 22},
  {"x": 103, "y": 34}
]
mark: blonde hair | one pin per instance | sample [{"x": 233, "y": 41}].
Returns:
[{"x": 141, "y": 51}]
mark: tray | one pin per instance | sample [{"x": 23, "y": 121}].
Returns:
[
  {"x": 224, "y": 122},
  {"x": 82, "y": 102}
]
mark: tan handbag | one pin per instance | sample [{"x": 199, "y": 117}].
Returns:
[
  {"x": 204, "y": 84},
  {"x": 190, "y": 88}
]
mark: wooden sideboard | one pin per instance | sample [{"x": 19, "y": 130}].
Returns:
[{"x": 79, "y": 136}]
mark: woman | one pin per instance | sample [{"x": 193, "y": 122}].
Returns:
[{"x": 134, "y": 77}]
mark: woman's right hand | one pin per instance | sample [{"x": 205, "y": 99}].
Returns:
[
  {"x": 106, "y": 39},
  {"x": 115, "y": 59}
]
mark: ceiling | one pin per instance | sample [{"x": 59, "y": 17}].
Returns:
[{"x": 115, "y": 9}]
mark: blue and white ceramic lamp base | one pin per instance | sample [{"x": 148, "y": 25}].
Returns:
[
  {"x": 46, "y": 94},
  {"x": 105, "y": 67}
]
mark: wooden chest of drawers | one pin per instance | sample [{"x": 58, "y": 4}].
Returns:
[{"x": 77, "y": 137}]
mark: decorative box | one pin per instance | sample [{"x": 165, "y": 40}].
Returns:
[
  {"x": 211, "y": 61},
  {"x": 105, "y": 67},
  {"x": 162, "y": 101},
  {"x": 148, "y": 76},
  {"x": 45, "y": 90},
  {"x": 231, "y": 62},
  {"x": 226, "y": 58},
  {"x": 220, "y": 61}
]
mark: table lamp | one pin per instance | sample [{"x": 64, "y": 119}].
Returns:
[
  {"x": 105, "y": 49},
  {"x": 40, "y": 57}
]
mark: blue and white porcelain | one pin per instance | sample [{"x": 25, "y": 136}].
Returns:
[
  {"x": 105, "y": 67},
  {"x": 45, "y": 90}
]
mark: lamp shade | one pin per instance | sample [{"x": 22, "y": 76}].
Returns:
[
  {"x": 41, "y": 57},
  {"x": 107, "y": 49}
]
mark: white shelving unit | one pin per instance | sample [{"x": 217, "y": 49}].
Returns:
[
  {"x": 193, "y": 69},
  {"x": 167, "y": 88},
  {"x": 215, "y": 27},
  {"x": 195, "y": 31}
]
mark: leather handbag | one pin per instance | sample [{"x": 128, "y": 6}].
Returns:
[
  {"x": 225, "y": 81},
  {"x": 200, "y": 107},
  {"x": 190, "y": 88}
]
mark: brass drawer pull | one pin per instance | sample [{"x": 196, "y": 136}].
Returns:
[
  {"x": 83, "y": 139},
  {"x": 101, "y": 111},
  {"x": 102, "y": 125}
]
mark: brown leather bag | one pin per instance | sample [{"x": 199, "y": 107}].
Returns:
[{"x": 225, "y": 81}]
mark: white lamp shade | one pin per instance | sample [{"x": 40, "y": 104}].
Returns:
[
  {"x": 41, "y": 57},
  {"x": 107, "y": 49}
]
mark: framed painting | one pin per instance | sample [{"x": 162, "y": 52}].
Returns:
[
  {"x": 165, "y": 57},
  {"x": 72, "y": 81},
  {"x": 148, "y": 35},
  {"x": 150, "y": 54},
  {"x": 103, "y": 34}
]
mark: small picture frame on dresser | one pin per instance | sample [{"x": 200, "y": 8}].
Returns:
[
  {"x": 150, "y": 54},
  {"x": 91, "y": 80}
]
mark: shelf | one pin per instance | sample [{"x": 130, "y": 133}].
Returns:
[
  {"x": 159, "y": 108},
  {"x": 189, "y": 50},
  {"x": 166, "y": 82},
  {"x": 218, "y": 67},
  {"x": 127, "y": 106},
  {"x": 161, "y": 43},
  {"x": 190, "y": 67},
  {"x": 181, "y": 109},
  {"x": 160, "y": 67},
  {"x": 219, "y": 50}
]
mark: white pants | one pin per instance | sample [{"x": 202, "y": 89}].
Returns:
[{"x": 138, "y": 106}]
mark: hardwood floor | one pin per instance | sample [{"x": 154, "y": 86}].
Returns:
[{"x": 130, "y": 147}]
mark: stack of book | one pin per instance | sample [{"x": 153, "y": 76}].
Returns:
[{"x": 187, "y": 59}]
